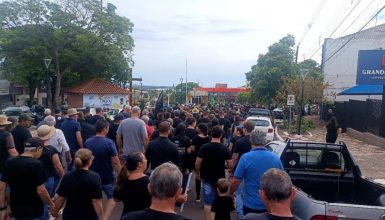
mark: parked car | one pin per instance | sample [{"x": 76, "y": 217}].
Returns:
[
  {"x": 329, "y": 183},
  {"x": 261, "y": 112},
  {"x": 278, "y": 113},
  {"x": 16, "y": 111},
  {"x": 264, "y": 124}
]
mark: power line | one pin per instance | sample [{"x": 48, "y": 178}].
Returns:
[
  {"x": 338, "y": 26},
  {"x": 352, "y": 37},
  {"x": 314, "y": 18}
]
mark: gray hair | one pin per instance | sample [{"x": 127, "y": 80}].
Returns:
[
  {"x": 276, "y": 185},
  {"x": 165, "y": 181},
  {"x": 145, "y": 118},
  {"x": 144, "y": 112},
  {"x": 257, "y": 137},
  {"x": 50, "y": 120},
  {"x": 135, "y": 109}
]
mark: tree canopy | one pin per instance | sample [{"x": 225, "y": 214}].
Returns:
[
  {"x": 276, "y": 75},
  {"x": 82, "y": 39}
]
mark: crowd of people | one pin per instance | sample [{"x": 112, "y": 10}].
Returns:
[{"x": 139, "y": 159}]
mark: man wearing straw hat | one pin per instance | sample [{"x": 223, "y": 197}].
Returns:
[
  {"x": 71, "y": 129},
  {"x": 7, "y": 145}
]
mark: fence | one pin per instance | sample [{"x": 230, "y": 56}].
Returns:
[{"x": 363, "y": 116}]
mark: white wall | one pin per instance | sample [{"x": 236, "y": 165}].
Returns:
[
  {"x": 112, "y": 101},
  {"x": 340, "y": 71}
]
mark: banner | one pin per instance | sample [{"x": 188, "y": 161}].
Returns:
[{"x": 371, "y": 67}]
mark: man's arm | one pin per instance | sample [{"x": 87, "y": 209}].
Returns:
[
  {"x": 43, "y": 194},
  {"x": 229, "y": 164},
  {"x": 79, "y": 139},
  {"x": 10, "y": 143},
  {"x": 57, "y": 165},
  {"x": 59, "y": 202},
  {"x": 234, "y": 185},
  {"x": 98, "y": 206},
  {"x": 146, "y": 140},
  {"x": 12, "y": 152},
  {"x": 119, "y": 141},
  {"x": 198, "y": 163},
  {"x": 235, "y": 159},
  {"x": 3, "y": 213},
  {"x": 116, "y": 164}
]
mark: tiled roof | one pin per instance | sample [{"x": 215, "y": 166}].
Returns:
[
  {"x": 222, "y": 89},
  {"x": 97, "y": 86}
]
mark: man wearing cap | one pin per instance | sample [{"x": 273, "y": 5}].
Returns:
[
  {"x": 58, "y": 117},
  {"x": 21, "y": 133},
  {"x": 26, "y": 177},
  {"x": 72, "y": 132},
  {"x": 114, "y": 127}
]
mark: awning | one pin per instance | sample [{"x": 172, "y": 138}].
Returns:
[{"x": 363, "y": 90}]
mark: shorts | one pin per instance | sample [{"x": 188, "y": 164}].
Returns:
[
  {"x": 108, "y": 189},
  {"x": 209, "y": 193}
]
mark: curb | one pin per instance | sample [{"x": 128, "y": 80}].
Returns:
[{"x": 277, "y": 134}]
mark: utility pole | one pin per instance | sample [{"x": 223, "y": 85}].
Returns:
[
  {"x": 186, "y": 84},
  {"x": 303, "y": 76}
]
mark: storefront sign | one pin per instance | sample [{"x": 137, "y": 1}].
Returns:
[
  {"x": 371, "y": 67},
  {"x": 104, "y": 101}
]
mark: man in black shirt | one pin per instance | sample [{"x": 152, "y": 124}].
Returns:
[
  {"x": 58, "y": 117},
  {"x": 26, "y": 177},
  {"x": 165, "y": 189},
  {"x": 277, "y": 193},
  {"x": 162, "y": 150},
  {"x": 209, "y": 166},
  {"x": 226, "y": 125},
  {"x": 176, "y": 120},
  {"x": 21, "y": 133},
  {"x": 99, "y": 115}
]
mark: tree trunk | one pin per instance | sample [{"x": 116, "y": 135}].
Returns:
[
  {"x": 49, "y": 90},
  {"x": 58, "y": 80}
]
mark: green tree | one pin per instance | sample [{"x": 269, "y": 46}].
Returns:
[
  {"x": 180, "y": 90},
  {"x": 266, "y": 77},
  {"x": 83, "y": 40},
  {"x": 243, "y": 97}
]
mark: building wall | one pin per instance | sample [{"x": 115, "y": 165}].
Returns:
[
  {"x": 75, "y": 100},
  {"x": 340, "y": 71}
]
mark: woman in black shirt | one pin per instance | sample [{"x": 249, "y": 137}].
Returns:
[
  {"x": 184, "y": 147},
  {"x": 131, "y": 186},
  {"x": 201, "y": 139}
]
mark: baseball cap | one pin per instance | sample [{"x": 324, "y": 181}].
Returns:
[
  {"x": 33, "y": 143},
  {"x": 25, "y": 117}
]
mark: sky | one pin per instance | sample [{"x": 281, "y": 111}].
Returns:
[{"x": 221, "y": 39}]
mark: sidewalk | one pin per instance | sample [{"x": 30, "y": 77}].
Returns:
[{"x": 370, "y": 158}]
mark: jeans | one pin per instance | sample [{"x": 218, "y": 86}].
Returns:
[
  {"x": 209, "y": 193},
  {"x": 108, "y": 189},
  {"x": 239, "y": 201},
  {"x": 49, "y": 185}
]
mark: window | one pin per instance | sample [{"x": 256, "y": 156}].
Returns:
[
  {"x": 314, "y": 159},
  {"x": 260, "y": 123}
]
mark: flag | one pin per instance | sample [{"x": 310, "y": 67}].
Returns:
[{"x": 159, "y": 104}]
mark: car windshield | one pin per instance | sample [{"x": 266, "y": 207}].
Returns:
[
  {"x": 12, "y": 113},
  {"x": 256, "y": 112},
  {"x": 260, "y": 123}
]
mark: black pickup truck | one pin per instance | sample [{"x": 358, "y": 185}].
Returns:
[{"x": 329, "y": 183}]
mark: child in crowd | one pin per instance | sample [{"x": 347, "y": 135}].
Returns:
[{"x": 223, "y": 204}]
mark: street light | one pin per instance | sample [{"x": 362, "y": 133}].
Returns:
[
  {"x": 181, "y": 89},
  {"x": 304, "y": 73},
  {"x": 47, "y": 62}
]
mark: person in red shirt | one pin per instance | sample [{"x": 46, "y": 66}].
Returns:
[{"x": 149, "y": 128}]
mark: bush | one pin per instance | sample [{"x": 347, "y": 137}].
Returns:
[{"x": 306, "y": 126}]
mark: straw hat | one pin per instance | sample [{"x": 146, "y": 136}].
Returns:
[
  {"x": 3, "y": 120},
  {"x": 72, "y": 111},
  {"x": 45, "y": 132},
  {"x": 195, "y": 111}
]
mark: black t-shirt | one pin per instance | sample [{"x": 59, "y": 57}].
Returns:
[
  {"x": 268, "y": 216},
  {"x": 198, "y": 142},
  {"x": 46, "y": 159},
  {"x": 214, "y": 156},
  {"x": 20, "y": 136},
  {"x": 203, "y": 120},
  {"x": 175, "y": 122},
  {"x": 79, "y": 187},
  {"x": 162, "y": 150},
  {"x": 129, "y": 193},
  {"x": 24, "y": 175},
  {"x": 112, "y": 132},
  {"x": 233, "y": 140},
  {"x": 59, "y": 121},
  {"x": 226, "y": 124},
  {"x": 183, "y": 142},
  {"x": 150, "y": 214},
  {"x": 87, "y": 130},
  {"x": 222, "y": 206},
  {"x": 191, "y": 133},
  {"x": 242, "y": 146},
  {"x": 94, "y": 118}
]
